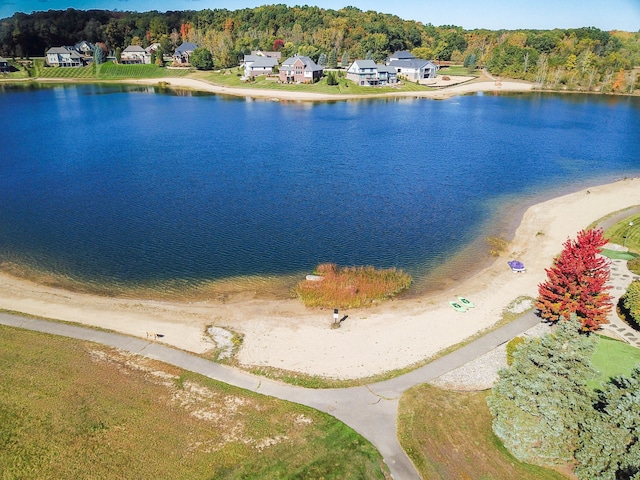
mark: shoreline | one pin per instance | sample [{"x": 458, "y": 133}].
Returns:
[
  {"x": 284, "y": 334},
  {"x": 461, "y": 86}
]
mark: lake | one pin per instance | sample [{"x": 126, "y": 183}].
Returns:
[{"x": 114, "y": 188}]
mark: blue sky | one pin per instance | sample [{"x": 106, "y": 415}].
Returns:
[{"x": 470, "y": 14}]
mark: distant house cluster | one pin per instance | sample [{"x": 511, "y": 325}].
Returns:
[{"x": 296, "y": 69}]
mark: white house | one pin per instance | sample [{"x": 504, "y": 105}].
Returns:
[
  {"x": 368, "y": 73},
  {"x": 414, "y": 69},
  {"x": 135, "y": 54},
  {"x": 258, "y": 65},
  {"x": 64, "y": 57}
]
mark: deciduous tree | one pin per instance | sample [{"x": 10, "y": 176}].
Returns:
[{"x": 576, "y": 283}]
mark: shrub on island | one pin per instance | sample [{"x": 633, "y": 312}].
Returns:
[{"x": 351, "y": 287}]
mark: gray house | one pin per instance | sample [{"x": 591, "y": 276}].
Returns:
[
  {"x": 4, "y": 65},
  {"x": 368, "y": 73},
  {"x": 64, "y": 57},
  {"x": 183, "y": 52},
  {"x": 135, "y": 54}
]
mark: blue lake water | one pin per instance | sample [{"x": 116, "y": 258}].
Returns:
[{"x": 118, "y": 187}]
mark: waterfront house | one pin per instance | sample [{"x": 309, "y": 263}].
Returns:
[
  {"x": 255, "y": 65},
  {"x": 368, "y": 73},
  {"x": 414, "y": 69},
  {"x": 4, "y": 65},
  {"x": 300, "y": 69},
  {"x": 64, "y": 57},
  {"x": 183, "y": 52},
  {"x": 135, "y": 54},
  {"x": 85, "y": 48}
]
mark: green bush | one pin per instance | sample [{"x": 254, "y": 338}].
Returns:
[
  {"x": 512, "y": 346},
  {"x": 631, "y": 302}
]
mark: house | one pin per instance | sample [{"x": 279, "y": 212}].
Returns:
[
  {"x": 300, "y": 69},
  {"x": 4, "y": 65},
  {"x": 412, "y": 68},
  {"x": 152, "y": 48},
  {"x": 256, "y": 65},
  {"x": 368, "y": 73},
  {"x": 85, "y": 48},
  {"x": 183, "y": 52},
  {"x": 64, "y": 57},
  {"x": 135, "y": 54}
]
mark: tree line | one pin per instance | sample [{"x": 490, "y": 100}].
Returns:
[{"x": 582, "y": 57}]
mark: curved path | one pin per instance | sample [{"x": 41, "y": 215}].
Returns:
[{"x": 371, "y": 410}]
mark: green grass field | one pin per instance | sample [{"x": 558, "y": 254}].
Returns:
[
  {"x": 625, "y": 234},
  {"x": 613, "y": 358},
  {"x": 448, "y": 435},
  {"x": 72, "y": 409}
]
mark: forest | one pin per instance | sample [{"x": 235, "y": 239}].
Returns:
[{"x": 578, "y": 58}]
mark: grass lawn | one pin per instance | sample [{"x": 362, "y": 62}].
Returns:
[
  {"x": 230, "y": 78},
  {"x": 73, "y": 409},
  {"x": 448, "y": 435},
  {"x": 459, "y": 70},
  {"x": 624, "y": 234},
  {"x": 613, "y": 358}
]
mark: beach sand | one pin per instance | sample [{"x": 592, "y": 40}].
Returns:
[
  {"x": 446, "y": 89},
  {"x": 284, "y": 334}
]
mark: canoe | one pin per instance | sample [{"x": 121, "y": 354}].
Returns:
[
  {"x": 465, "y": 302},
  {"x": 457, "y": 306}
]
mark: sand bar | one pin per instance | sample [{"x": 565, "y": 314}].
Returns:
[{"x": 284, "y": 334}]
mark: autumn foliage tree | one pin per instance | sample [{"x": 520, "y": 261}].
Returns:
[{"x": 576, "y": 283}]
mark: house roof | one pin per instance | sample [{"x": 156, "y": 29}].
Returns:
[
  {"x": 58, "y": 50},
  {"x": 308, "y": 63},
  {"x": 416, "y": 64},
  {"x": 134, "y": 49},
  {"x": 3, "y": 60},
  {"x": 264, "y": 62},
  {"x": 365, "y": 63},
  {"x": 402, "y": 55},
  {"x": 385, "y": 68},
  {"x": 186, "y": 47}
]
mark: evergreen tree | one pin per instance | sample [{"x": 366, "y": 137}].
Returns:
[
  {"x": 610, "y": 439},
  {"x": 539, "y": 402},
  {"x": 99, "y": 55},
  {"x": 345, "y": 60},
  {"x": 369, "y": 55},
  {"x": 332, "y": 60},
  {"x": 322, "y": 59},
  {"x": 118, "y": 55},
  {"x": 576, "y": 283}
]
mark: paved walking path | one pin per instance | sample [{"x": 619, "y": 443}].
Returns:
[{"x": 371, "y": 410}]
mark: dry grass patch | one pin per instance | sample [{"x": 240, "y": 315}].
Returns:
[
  {"x": 72, "y": 409},
  {"x": 351, "y": 287},
  {"x": 448, "y": 435}
]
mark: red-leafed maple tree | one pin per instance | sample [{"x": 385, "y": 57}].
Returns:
[{"x": 576, "y": 283}]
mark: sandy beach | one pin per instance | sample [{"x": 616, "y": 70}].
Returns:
[
  {"x": 445, "y": 89},
  {"x": 284, "y": 334}
]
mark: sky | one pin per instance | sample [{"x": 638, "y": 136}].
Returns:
[{"x": 469, "y": 14}]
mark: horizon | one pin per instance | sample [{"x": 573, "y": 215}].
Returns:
[{"x": 622, "y": 15}]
